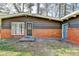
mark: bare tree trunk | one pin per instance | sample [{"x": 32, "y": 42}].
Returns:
[
  {"x": 56, "y": 9},
  {"x": 72, "y": 6},
  {"x": 30, "y": 7},
  {"x": 16, "y": 7},
  {"x": 64, "y": 9},
  {"x": 46, "y": 8},
  {"x": 38, "y": 8},
  {"x": 59, "y": 10},
  {"x": 22, "y": 7}
]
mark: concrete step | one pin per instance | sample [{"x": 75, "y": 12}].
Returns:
[{"x": 28, "y": 38}]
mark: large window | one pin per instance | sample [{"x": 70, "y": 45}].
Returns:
[{"x": 17, "y": 28}]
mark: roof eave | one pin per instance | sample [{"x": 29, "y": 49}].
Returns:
[
  {"x": 74, "y": 14},
  {"x": 32, "y": 15}
]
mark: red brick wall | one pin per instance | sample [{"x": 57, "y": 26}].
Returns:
[
  {"x": 73, "y": 35},
  {"x": 73, "y": 30},
  {"x": 40, "y": 33},
  {"x": 47, "y": 33},
  {"x": 0, "y": 33},
  {"x": 6, "y": 33}
]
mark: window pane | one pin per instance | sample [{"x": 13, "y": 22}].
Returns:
[
  {"x": 18, "y": 28},
  {"x": 22, "y": 28},
  {"x": 29, "y": 25},
  {"x": 29, "y": 29},
  {"x": 13, "y": 28}
]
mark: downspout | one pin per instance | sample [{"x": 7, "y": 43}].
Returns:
[{"x": 64, "y": 32}]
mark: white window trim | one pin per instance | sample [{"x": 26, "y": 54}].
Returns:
[{"x": 13, "y": 30}]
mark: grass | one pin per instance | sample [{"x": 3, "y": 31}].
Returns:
[
  {"x": 9, "y": 48},
  {"x": 67, "y": 52},
  {"x": 12, "y": 53}
]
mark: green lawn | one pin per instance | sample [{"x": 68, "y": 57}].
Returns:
[
  {"x": 12, "y": 53},
  {"x": 12, "y": 47},
  {"x": 8, "y": 49}
]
